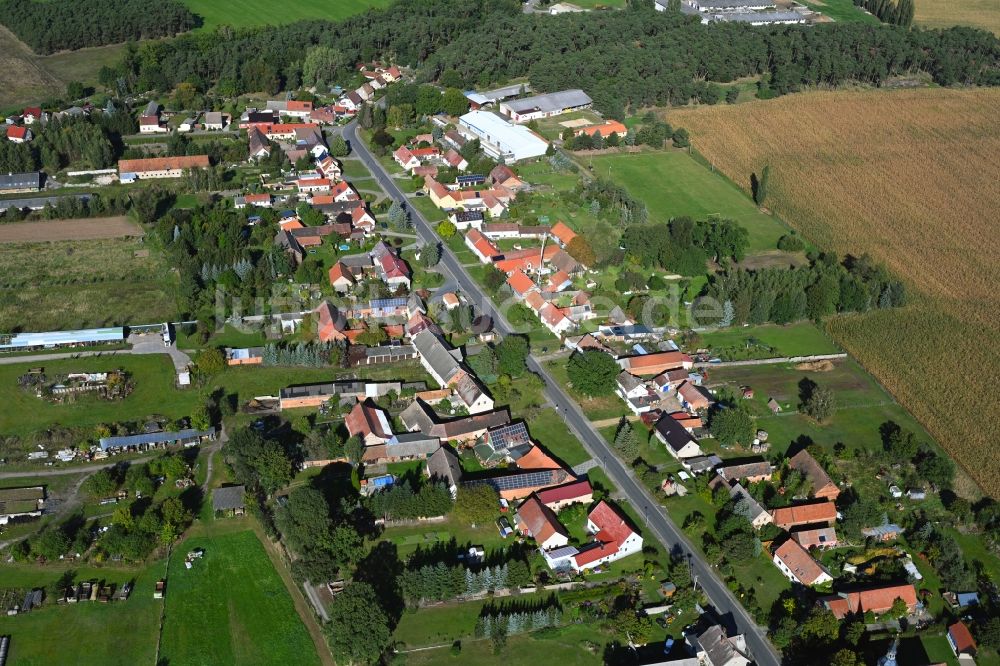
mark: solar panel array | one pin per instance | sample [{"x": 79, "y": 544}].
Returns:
[{"x": 509, "y": 435}]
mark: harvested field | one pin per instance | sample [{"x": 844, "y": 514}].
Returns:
[
  {"x": 983, "y": 14},
  {"x": 912, "y": 178},
  {"x": 67, "y": 230}
]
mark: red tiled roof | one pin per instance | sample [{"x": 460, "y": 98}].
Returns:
[
  {"x": 425, "y": 152},
  {"x": 163, "y": 163},
  {"x": 520, "y": 283},
  {"x": 254, "y": 198},
  {"x": 567, "y": 492},
  {"x": 539, "y": 520},
  {"x": 962, "y": 638},
  {"x": 482, "y": 244},
  {"x": 664, "y": 359},
  {"x": 612, "y": 533},
  {"x": 536, "y": 458},
  {"x": 563, "y": 233},
  {"x": 606, "y": 129},
  {"x": 330, "y": 325},
  {"x": 803, "y": 514},
  {"x": 364, "y": 420},
  {"x": 293, "y": 105},
  {"x": 877, "y": 600},
  {"x": 16, "y": 132},
  {"x": 799, "y": 562},
  {"x": 340, "y": 272},
  {"x": 822, "y": 484}
]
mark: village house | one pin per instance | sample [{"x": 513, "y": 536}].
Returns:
[
  {"x": 816, "y": 537},
  {"x": 259, "y": 200},
  {"x": 443, "y": 465},
  {"x": 636, "y": 394},
  {"x": 418, "y": 416},
  {"x": 605, "y": 129},
  {"x": 756, "y": 514},
  {"x": 797, "y": 515},
  {"x": 15, "y": 183},
  {"x": 535, "y": 520},
  {"x": 714, "y": 647},
  {"x": 822, "y": 486},
  {"x": 291, "y": 108},
  {"x": 752, "y": 472},
  {"x": 798, "y": 565},
  {"x": 214, "y": 121},
  {"x": 345, "y": 392},
  {"x": 614, "y": 538},
  {"x": 679, "y": 442},
  {"x": 149, "y": 121},
  {"x": 368, "y": 422},
  {"x": 443, "y": 364},
  {"x": 877, "y": 600},
  {"x": 693, "y": 398},
  {"x": 33, "y": 114},
  {"x": 481, "y": 246},
  {"x": 18, "y": 134}
]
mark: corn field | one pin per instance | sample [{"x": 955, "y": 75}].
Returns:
[{"x": 913, "y": 178}]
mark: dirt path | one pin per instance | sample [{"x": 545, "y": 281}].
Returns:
[{"x": 62, "y": 230}]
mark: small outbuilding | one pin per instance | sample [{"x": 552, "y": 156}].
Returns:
[{"x": 229, "y": 500}]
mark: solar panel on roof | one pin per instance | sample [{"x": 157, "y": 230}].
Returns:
[{"x": 515, "y": 481}]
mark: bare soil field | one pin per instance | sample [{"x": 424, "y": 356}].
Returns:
[
  {"x": 912, "y": 178},
  {"x": 66, "y": 230}
]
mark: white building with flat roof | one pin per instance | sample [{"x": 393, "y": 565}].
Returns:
[{"x": 501, "y": 139}]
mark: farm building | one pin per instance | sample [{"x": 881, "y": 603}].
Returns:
[
  {"x": 12, "y": 183},
  {"x": 500, "y": 138},
  {"x": 51, "y": 339},
  {"x": 141, "y": 442},
  {"x": 159, "y": 167},
  {"x": 545, "y": 106},
  {"x": 229, "y": 500},
  {"x": 488, "y": 97}
]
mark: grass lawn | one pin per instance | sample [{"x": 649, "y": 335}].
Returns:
[
  {"x": 672, "y": 183},
  {"x": 431, "y": 213},
  {"x": 844, "y": 11},
  {"x": 596, "y": 409},
  {"x": 83, "y": 284},
  {"x": 861, "y": 404},
  {"x": 354, "y": 168},
  {"x": 408, "y": 539},
  {"x": 768, "y": 341},
  {"x": 448, "y": 623},
  {"x": 231, "y": 605},
  {"x": 549, "y": 430},
  {"x": 51, "y": 634},
  {"x": 242, "y": 13},
  {"x": 154, "y": 394}
]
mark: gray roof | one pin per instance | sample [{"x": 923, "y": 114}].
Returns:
[
  {"x": 737, "y": 472},
  {"x": 436, "y": 353},
  {"x": 739, "y": 492},
  {"x": 213, "y": 118},
  {"x": 760, "y": 17},
  {"x": 557, "y": 101},
  {"x": 411, "y": 444},
  {"x": 419, "y": 416},
  {"x": 673, "y": 433},
  {"x": 443, "y": 464},
  {"x": 496, "y": 94},
  {"x": 628, "y": 381},
  {"x": 716, "y": 645},
  {"x": 702, "y": 463},
  {"x": 708, "y": 5},
  {"x": 153, "y": 438},
  {"x": 38, "y": 203},
  {"x": 152, "y": 109},
  {"x": 230, "y": 497},
  {"x": 21, "y": 181},
  {"x": 355, "y": 260}
]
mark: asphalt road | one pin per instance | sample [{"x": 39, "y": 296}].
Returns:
[{"x": 653, "y": 514}]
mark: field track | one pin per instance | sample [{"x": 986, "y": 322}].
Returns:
[{"x": 64, "y": 230}]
